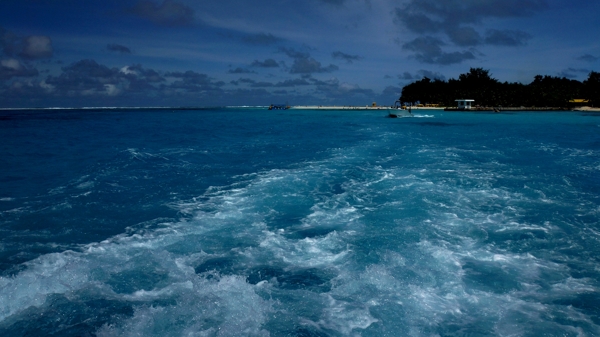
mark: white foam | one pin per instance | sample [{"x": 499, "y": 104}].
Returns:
[{"x": 435, "y": 223}]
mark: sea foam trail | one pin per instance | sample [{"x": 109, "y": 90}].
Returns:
[
  {"x": 421, "y": 240},
  {"x": 228, "y": 235}
]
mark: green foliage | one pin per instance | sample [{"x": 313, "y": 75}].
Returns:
[
  {"x": 477, "y": 84},
  {"x": 592, "y": 88}
]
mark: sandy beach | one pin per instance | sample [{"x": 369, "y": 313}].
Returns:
[{"x": 586, "y": 108}]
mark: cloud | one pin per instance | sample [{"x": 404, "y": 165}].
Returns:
[
  {"x": 88, "y": 78},
  {"x": 84, "y": 77},
  {"x": 333, "y": 2},
  {"x": 428, "y": 16},
  {"x": 345, "y": 57},
  {"x": 191, "y": 81},
  {"x": 571, "y": 73},
  {"x": 281, "y": 84},
  {"x": 243, "y": 80},
  {"x": 36, "y": 47},
  {"x": 464, "y": 36},
  {"x": 118, "y": 48},
  {"x": 268, "y": 63},
  {"x": 428, "y": 50},
  {"x": 31, "y": 47},
  {"x": 310, "y": 65},
  {"x": 405, "y": 76},
  {"x": 588, "y": 58},
  {"x": 305, "y": 64},
  {"x": 430, "y": 74},
  {"x": 458, "y": 20},
  {"x": 239, "y": 70},
  {"x": 261, "y": 39},
  {"x": 294, "y": 53},
  {"x": 293, "y": 83},
  {"x": 168, "y": 13},
  {"x": 137, "y": 72},
  {"x": 506, "y": 37},
  {"x": 334, "y": 89},
  {"x": 10, "y": 68},
  {"x": 421, "y": 74},
  {"x": 392, "y": 90}
]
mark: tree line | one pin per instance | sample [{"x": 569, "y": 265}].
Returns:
[{"x": 477, "y": 84}]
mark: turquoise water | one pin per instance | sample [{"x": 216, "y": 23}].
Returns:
[{"x": 249, "y": 222}]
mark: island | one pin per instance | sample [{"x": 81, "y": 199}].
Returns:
[{"x": 485, "y": 92}]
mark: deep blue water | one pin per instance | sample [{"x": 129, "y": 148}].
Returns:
[{"x": 249, "y": 222}]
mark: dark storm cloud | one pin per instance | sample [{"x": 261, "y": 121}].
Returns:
[
  {"x": 261, "y": 39},
  {"x": 118, "y": 48},
  {"x": 346, "y": 57},
  {"x": 588, "y": 58},
  {"x": 506, "y": 37},
  {"x": 305, "y": 64},
  {"x": 168, "y": 13},
  {"x": 31, "y": 47},
  {"x": 428, "y": 49},
  {"x": 268, "y": 63}
]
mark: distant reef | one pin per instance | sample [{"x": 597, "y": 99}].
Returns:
[{"x": 477, "y": 84}]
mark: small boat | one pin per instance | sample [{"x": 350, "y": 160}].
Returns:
[{"x": 402, "y": 112}]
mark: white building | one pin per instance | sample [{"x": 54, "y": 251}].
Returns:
[{"x": 464, "y": 104}]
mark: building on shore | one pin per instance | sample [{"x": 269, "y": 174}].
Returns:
[{"x": 464, "y": 104}]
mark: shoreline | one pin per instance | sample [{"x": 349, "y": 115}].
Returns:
[
  {"x": 312, "y": 107},
  {"x": 586, "y": 108},
  {"x": 523, "y": 108},
  {"x": 338, "y": 107}
]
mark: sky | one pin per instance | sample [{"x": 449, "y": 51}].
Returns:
[{"x": 104, "y": 53}]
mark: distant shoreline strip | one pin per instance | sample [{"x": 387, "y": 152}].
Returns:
[{"x": 309, "y": 107}]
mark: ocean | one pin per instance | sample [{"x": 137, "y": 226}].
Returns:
[{"x": 247, "y": 222}]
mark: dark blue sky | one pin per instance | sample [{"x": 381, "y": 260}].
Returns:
[{"x": 75, "y": 53}]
